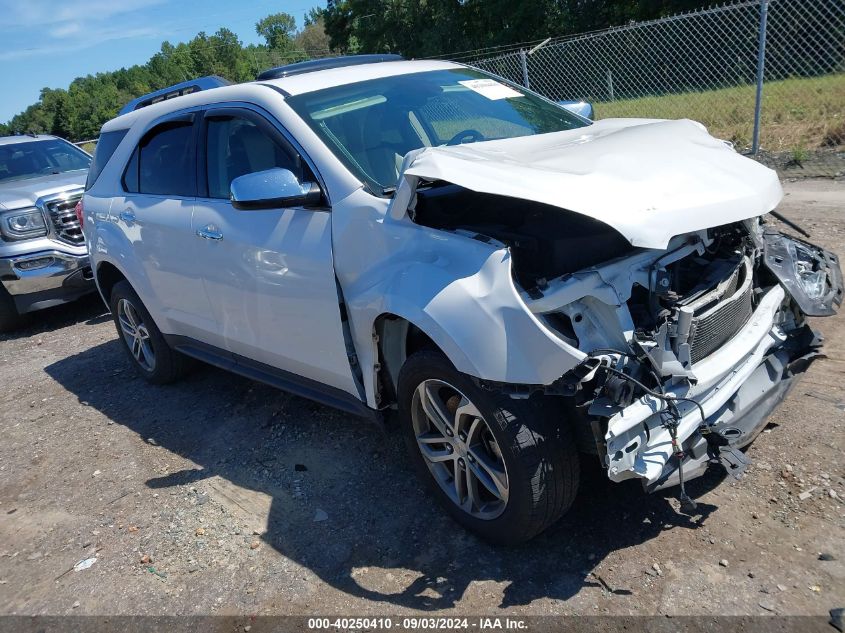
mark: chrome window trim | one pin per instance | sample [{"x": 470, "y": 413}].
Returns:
[{"x": 155, "y": 196}]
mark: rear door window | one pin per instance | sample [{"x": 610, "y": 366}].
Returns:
[{"x": 164, "y": 161}]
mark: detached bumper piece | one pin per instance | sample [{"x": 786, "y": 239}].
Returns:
[
  {"x": 733, "y": 388},
  {"x": 741, "y": 419}
]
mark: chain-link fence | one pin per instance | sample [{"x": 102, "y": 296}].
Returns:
[{"x": 709, "y": 66}]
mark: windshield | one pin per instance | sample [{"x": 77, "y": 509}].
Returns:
[
  {"x": 29, "y": 159},
  {"x": 371, "y": 125}
]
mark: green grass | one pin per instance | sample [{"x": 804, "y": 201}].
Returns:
[{"x": 798, "y": 114}]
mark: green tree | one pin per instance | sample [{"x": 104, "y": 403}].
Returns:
[
  {"x": 313, "y": 40},
  {"x": 414, "y": 29},
  {"x": 56, "y": 106},
  {"x": 277, "y": 30},
  {"x": 438, "y": 27},
  {"x": 229, "y": 57},
  {"x": 171, "y": 65},
  {"x": 314, "y": 15}
]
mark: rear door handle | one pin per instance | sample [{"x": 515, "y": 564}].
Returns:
[
  {"x": 210, "y": 232},
  {"x": 128, "y": 216}
]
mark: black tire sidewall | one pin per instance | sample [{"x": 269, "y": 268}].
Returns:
[
  {"x": 10, "y": 318},
  {"x": 163, "y": 371},
  {"x": 506, "y": 419}
]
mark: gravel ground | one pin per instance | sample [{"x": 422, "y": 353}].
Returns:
[{"x": 222, "y": 496}]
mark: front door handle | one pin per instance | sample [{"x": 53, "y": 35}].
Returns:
[
  {"x": 210, "y": 232},
  {"x": 128, "y": 216}
]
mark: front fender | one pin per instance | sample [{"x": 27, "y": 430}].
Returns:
[
  {"x": 456, "y": 289},
  {"x": 477, "y": 320}
]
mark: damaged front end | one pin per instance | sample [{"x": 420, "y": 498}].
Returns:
[
  {"x": 689, "y": 349},
  {"x": 683, "y": 335}
]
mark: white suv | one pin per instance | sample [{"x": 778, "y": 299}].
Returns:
[{"x": 524, "y": 285}]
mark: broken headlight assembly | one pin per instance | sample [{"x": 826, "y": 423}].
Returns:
[
  {"x": 811, "y": 277},
  {"x": 809, "y": 273}
]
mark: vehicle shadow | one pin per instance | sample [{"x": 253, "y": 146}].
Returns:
[
  {"x": 87, "y": 309},
  {"x": 383, "y": 539}
]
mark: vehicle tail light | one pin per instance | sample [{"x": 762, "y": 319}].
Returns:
[{"x": 79, "y": 211}]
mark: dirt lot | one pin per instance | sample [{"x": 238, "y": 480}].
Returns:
[{"x": 250, "y": 501}]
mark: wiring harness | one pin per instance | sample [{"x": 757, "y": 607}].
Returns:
[{"x": 670, "y": 421}]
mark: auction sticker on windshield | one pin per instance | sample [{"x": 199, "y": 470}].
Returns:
[{"x": 490, "y": 88}]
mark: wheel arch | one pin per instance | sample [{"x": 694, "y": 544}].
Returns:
[
  {"x": 107, "y": 275},
  {"x": 108, "y": 272},
  {"x": 397, "y": 339},
  {"x": 478, "y": 323}
]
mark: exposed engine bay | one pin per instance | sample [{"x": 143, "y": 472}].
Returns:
[
  {"x": 687, "y": 349},
  {"x": 545, "y": 241}
]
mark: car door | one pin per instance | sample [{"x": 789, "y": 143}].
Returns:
[
  {"x": 269, "y": 273},
  {"x": 154, "y": 214}
]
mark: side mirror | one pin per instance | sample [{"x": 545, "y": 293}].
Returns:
[
  {"x": 581, "y": 108},
  {"x": 272, "y": 189}
]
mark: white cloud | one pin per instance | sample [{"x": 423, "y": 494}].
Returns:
[
  {"x": 72, "y": 25},
  {"x": 18, "y": 14},
  {"x": 92, "y": 38},
  {"x": 66, "y": 29}
]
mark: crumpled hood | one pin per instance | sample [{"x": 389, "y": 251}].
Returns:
[
  {"x": 648, "y": 179},
  {"x": 15, "y": 194}
]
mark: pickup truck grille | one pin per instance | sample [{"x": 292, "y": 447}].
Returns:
[
  {"x": 718, "y": 323},
  {"x": 63, "y": 217}
]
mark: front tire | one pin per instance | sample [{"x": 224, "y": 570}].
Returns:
[
  {"x": 504, "y": 468},
  {"x": 10, "y": 319},
  {"x": 143, "y": 342}
]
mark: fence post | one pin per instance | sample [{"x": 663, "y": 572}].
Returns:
[
  {"x": 523, "y": 58},
  {"x": 610, "y": 85},
  {"x": 761, "y": 67}
]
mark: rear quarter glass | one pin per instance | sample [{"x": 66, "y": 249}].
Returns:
[{"x": 106, "y": 146}]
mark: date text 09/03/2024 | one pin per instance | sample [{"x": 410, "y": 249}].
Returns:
[{"x": 418, "y": 623}]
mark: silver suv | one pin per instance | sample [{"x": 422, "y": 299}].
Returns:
[
  {"x": 524, "y": 286},
  {"x": 43, "y": 259}
]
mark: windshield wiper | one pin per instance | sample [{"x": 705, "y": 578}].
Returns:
[{"x": 388, "y": 191}]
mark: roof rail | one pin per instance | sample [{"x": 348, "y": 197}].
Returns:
[
  {"x": 184, "y": 88},
  {"x": 314, "y": 65}
]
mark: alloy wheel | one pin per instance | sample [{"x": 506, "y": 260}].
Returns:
[
  {"x": 136, "y": 334},
  {"x": 459, "y": 449}
]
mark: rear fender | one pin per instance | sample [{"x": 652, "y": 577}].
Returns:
[{"x": 108, "y": 244}]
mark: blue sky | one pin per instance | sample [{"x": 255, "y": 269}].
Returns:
[{"x": 47, "y": 43}]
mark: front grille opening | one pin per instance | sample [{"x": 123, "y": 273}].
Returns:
[
  {"x": 716, "y": 322},
  {"x": 701, "y": 301},
  {"x": 65, "y": 223}
]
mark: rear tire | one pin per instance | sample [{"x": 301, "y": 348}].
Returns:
[
  {"x": 10, "y": 319},
  {"x": 528, "y": 455},
  {"x": 143, "y": 342}
]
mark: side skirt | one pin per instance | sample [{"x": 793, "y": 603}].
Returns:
[{"x": 273, "y": 376}]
